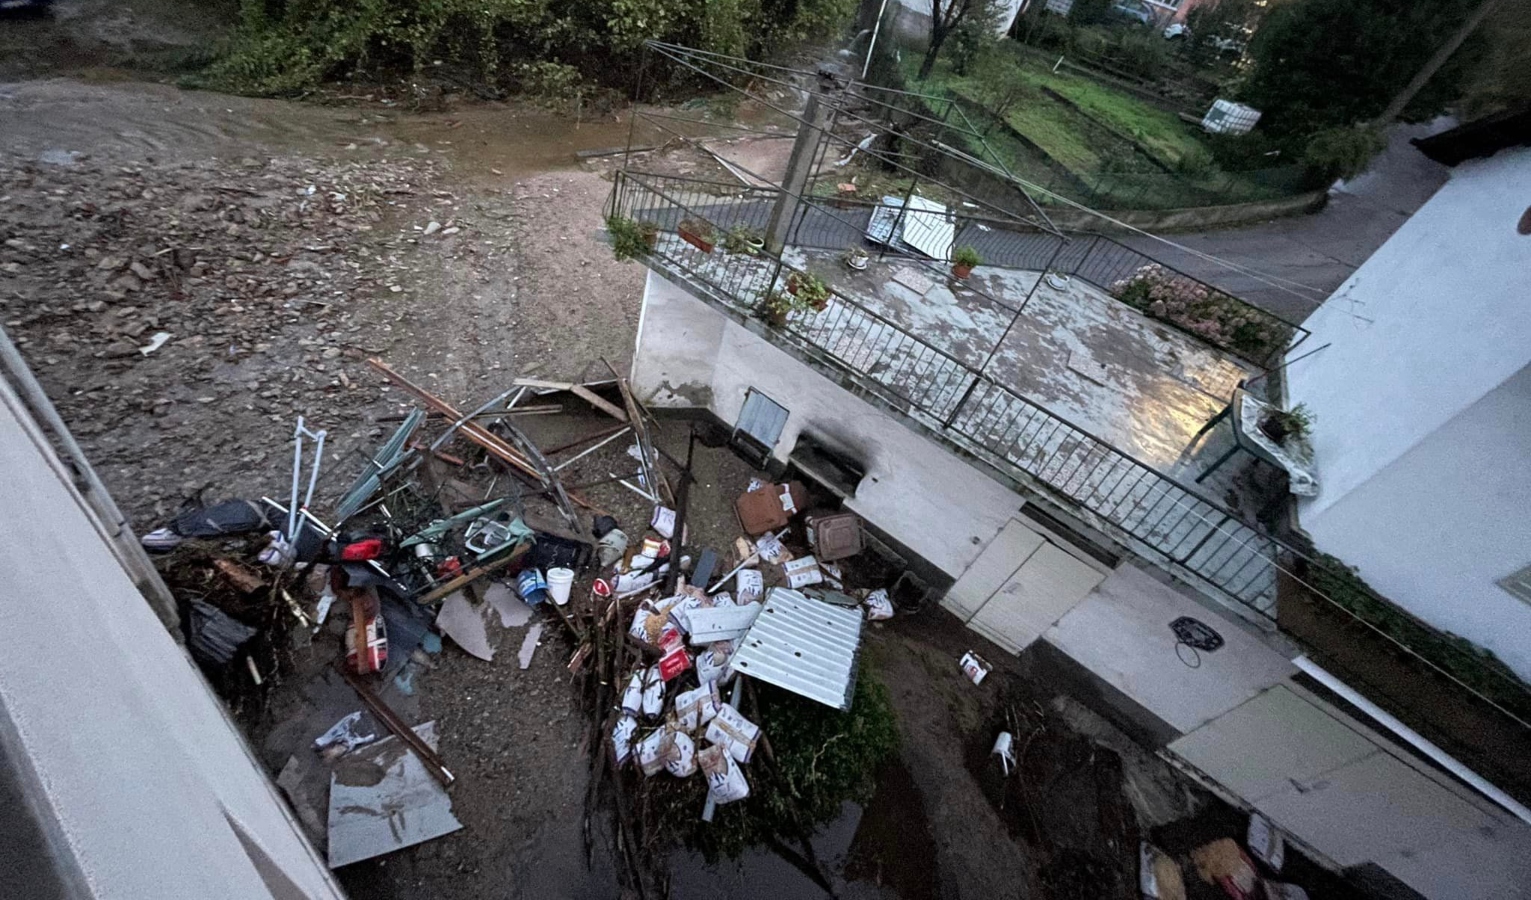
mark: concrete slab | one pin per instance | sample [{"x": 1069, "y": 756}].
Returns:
[
  {"x": 1264, "y": 746},
  {"x": 1371, "y": 808},
  {"x": 1048, "y": 585},
  {"x": 1121, "y": 633}
]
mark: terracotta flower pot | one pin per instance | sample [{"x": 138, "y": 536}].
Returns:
[
  {"x": 696, "y": 240},
  {"x": 960, "y": 271}
]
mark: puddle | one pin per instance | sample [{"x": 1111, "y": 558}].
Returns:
[{"x": 883, "y": 851}]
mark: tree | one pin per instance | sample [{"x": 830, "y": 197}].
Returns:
[
  {"x": 945, "y": 16},
  {"x": 1320, "y": 64}
]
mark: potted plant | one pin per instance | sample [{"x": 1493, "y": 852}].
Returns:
[
  {"x": 744, "y": 239},
  {"x": 1286, "y": 425},
  {"x": 809, "y": 289},
  {"x": 699, "y": 233},
  {"x": 631, "y": 239},
  {"x": 963, "y": 261},
  {"x": 775, "y": 306},
  {"x": 856, "y": 258}
]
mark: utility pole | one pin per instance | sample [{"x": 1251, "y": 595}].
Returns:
[
  {"x": 1470, "y": 24},
  {"x": 810, "y": 136}
]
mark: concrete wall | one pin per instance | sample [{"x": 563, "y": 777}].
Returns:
[
  {"x": 1435, "y": 530},
  {"x": 132, "y": 765},
  {"x": 1435, "y": 319},
  {"x": 1423, "y": 423},
  {"x": 922, "y": 496}
]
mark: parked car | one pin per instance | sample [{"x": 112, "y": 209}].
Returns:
[{"x": 1136, "y": 10}]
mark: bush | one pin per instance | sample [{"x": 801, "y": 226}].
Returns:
[
  {"x": 287, "y": 46},
  {"x": 824, "y": 758},
  {"x": 1054, "y": 32},
  {"x": 1194, "y": 307},
  {"x": 1142, "y": 53},
  {"x": 1247, "y": 152},
  {"x": 1196, "y": 163},
  {"x": 1339, "y": 153},
  {"x": 1090, "y": 40},
  {"x": 630, "y": 239}
]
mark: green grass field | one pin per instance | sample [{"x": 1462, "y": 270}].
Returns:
[{"x": 1104, "y": 140}]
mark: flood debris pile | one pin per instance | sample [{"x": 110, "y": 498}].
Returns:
[
  {"x": 691, "y": 658},
  {"x": 157, "y": 299}
]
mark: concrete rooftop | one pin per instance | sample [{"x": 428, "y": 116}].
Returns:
[{"x": 1131, "y": 381}]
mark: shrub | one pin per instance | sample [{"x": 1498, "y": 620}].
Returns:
[
  {"x": 1339, "y": 153},
  {"x": 1195, "y": 163},
  {"x": 810, "y": 289},
  {"x": 1194, "y": 307},
  {"x": 1054, "y": 32},
  {"x": 288, "y": 46},
  {"x": 630, "y": 239},
  {"x": 1143, "y": 53},
  {"x": 742, "y": 239}
]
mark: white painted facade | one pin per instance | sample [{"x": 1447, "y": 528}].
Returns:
[
  {"x": 939, "y": 507},
  {"x": 1423, "y": 405},
  {"x": 142, "y": 784}
]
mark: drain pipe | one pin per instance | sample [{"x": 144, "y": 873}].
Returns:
[{"x": 1447, "y": 762}]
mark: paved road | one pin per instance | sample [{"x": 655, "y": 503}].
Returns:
[{"x": 1321, "y": 250}]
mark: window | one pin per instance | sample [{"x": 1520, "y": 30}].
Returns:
[
  {"x": 759, "y": 426},
  {"x": 1519, "y": 584}
]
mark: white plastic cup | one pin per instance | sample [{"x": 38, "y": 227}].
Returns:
[{"x": 559, "y": 583}]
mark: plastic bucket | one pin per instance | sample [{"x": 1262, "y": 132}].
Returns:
[
  {"x": 559, "y": 582},
  {"x": 533, "y": 587}
]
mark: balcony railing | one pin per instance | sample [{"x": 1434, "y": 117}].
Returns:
[{"x": 970, "y": 410}]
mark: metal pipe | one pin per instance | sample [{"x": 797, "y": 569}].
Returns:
[
  {"x": 876, "y": 27},
  {"x": 589, "y": 450},
  {"x": 1436, "y": 754}
]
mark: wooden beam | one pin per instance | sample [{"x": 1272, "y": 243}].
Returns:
[{"x": 579, "y": 391}]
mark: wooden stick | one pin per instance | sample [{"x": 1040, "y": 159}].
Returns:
[
  {"x": 434, "y": 764},
  {"x": 577, "y": 390},
  {"x": 473, "y": 575},
  {"x": 474, "y": 432}
]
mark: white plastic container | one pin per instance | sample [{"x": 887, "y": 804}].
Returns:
[{"x": 559, "y": 583}]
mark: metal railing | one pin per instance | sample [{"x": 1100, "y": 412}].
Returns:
[
  {"x": 1093, "y": 258},
  {"x": 959, "y": 401}
]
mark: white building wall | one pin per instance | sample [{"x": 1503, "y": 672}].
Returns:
[
  {"x": 1005, "y": 13},
  {"x": 1438, "y": 527},
  {"x": 939, "y": 507},
  {"x": 1423, "y": 433},
  {"x": 138, "y": 764},
  {"x": 1435, "y": 319}
]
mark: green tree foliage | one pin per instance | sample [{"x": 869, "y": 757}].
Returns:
[
  {"x": 286, "y": 46},
  {"x": 1501, "y": 78},
  {"x": 1325, "y": 63},
  {"x": 1341, "y": 152}
]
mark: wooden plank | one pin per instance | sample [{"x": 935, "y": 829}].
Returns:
[
  {"x": 473, "y": 575},
  {"x": 579, "y": 391},
  {"x": 474, "y": 432}
]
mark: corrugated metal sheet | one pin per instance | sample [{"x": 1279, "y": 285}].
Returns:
[
  {"x": 805, "y": 646},
  {"x": 762, "y": 418}
]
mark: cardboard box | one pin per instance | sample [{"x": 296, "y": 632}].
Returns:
[{"x": 771, "y": 507}]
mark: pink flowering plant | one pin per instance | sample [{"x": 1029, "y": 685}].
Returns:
[{"x": 1203, "y": 311}]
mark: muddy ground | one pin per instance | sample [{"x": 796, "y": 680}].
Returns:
[{"x": 279, "y": 246}]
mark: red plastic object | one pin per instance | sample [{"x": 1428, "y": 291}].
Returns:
[
  {"x": 370, "y": 548},
  {"x": 674, "y": 663}
]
